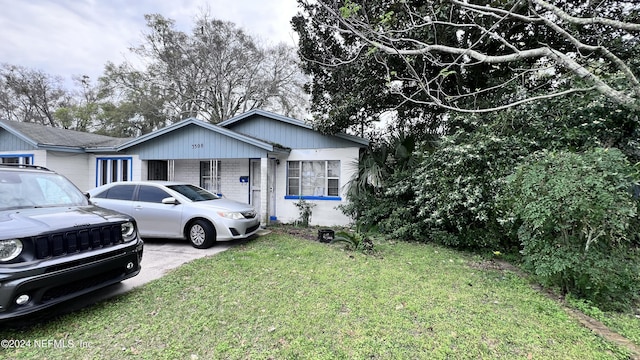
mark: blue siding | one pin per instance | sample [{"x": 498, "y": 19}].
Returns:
[
  {"x": 195, "y": 142},
  {"x": 10, "y": 142},
  {"x": 287, "y": 135}
]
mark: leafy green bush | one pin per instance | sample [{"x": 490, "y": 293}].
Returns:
[
  {"x": 305, "y": 209},
  {"x": 576, "y": 219},
  {"x": 456, "y": 186}
]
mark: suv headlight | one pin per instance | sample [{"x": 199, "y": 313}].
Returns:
[
  {"x": 10, "y": 249},
  {"x": 231, "y": 215},
  {"x": 128, "y": 231}
]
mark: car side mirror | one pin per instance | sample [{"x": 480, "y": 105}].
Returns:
[{"x": 170, "y": 201}]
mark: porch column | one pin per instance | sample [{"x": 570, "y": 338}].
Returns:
[{"x": 264, "y": 193}]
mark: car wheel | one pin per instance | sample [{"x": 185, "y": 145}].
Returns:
[{"x": 201, "y": 234}]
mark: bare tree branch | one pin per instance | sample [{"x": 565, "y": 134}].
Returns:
[
  {"x": 575, "y": 58},
  {"x": 586, "y": 21}
]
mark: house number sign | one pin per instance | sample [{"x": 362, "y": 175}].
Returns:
[{"x": 197, "y": 146}]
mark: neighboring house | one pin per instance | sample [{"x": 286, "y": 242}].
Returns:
[{"x": 268, "y": 160}]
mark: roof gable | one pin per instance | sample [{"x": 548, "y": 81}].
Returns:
[
  {"x": 288, "y": 132},
  {"x": 199, "y": 123}
]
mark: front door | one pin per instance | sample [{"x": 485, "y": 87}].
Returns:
[
  {"x": 255, "y": 176},
  {"x": 271, "y": 181}
]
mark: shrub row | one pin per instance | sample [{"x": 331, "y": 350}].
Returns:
[{"x": 571, "y": 215}]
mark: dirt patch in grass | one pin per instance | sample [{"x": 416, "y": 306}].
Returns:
[{"x": 307, "y": 233}]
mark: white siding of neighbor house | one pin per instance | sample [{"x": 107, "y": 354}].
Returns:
[
  {"x": 325, "y": 212},
  {"x": 75, "y": 166}
]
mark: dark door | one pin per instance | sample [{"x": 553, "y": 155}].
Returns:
[{"x": 157, "y": 170}]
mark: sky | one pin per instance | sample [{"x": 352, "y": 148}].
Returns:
[{"x": 78, "y": 37}]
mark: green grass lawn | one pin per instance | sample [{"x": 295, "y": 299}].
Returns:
[{"x": 278, "y": 297}]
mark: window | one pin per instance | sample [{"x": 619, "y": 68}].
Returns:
[
  {"x": 110, "y": 170},
  {"x": 193, "y": 193},
  {"x": 151, "y": 194},
  {"x": 210, "y": 176},
  {"x": 16, "y": 159},
  {"x": 313, "y": 178},
  {"x": 121, "y": 192}
]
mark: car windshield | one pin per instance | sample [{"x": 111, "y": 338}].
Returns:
[
  {"x": 193, "y": 192},
  {"x": 20, "y": 190}
]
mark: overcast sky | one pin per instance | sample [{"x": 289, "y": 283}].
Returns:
[{"x": 75, "y": 37}]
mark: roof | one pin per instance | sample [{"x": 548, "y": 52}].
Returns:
[
  {"x": 288, "y": 120},
  {"x": 42, "y": 136},
  {"x": 46, "y": 137}
]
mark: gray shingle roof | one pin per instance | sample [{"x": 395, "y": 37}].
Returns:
[{"x": 46, "y": 135}]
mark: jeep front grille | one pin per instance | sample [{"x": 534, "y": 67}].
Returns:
[{"x": 73, "y": 241}]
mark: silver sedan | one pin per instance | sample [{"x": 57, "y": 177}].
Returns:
[{"x": 165, "y": 209}]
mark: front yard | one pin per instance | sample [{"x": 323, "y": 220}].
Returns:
[{"x": 280, "y": 297}]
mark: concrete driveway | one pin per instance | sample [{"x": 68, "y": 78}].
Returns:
[{"x": 159, "y": 257}]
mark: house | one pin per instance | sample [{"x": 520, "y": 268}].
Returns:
[{"x": 265, "y": 159}]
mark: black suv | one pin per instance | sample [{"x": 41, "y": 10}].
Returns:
[{"x": 55, "y": 245}]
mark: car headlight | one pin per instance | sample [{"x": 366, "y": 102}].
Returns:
[
  {"x": 231, "y": 215},
  {"x": 10, "y": 249},
  {"x": 128, "y": 231}
]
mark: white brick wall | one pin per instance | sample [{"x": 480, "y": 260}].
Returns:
[
  {"x": 187, "y": 171},
  {"x": 230, "y": 172}
]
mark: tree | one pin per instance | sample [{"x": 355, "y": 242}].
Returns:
[
  {"x": 213, "y": 74},
  {"x": 30, "y": 95},
  {"x": 480, "y": 56},
  {"x": 83, "y": 108},
  {"x": 354, "y": 94}
]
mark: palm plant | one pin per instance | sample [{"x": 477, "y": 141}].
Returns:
[{"x": 354, "y": 241}]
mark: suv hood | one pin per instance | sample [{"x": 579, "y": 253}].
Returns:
[{"x": 31, "y": 222}]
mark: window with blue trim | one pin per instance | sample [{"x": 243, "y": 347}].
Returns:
[
  {"x": 110, "y": 170},
  {"x": 313, "y": 178},
  {"x": 26, "y": 159}
]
